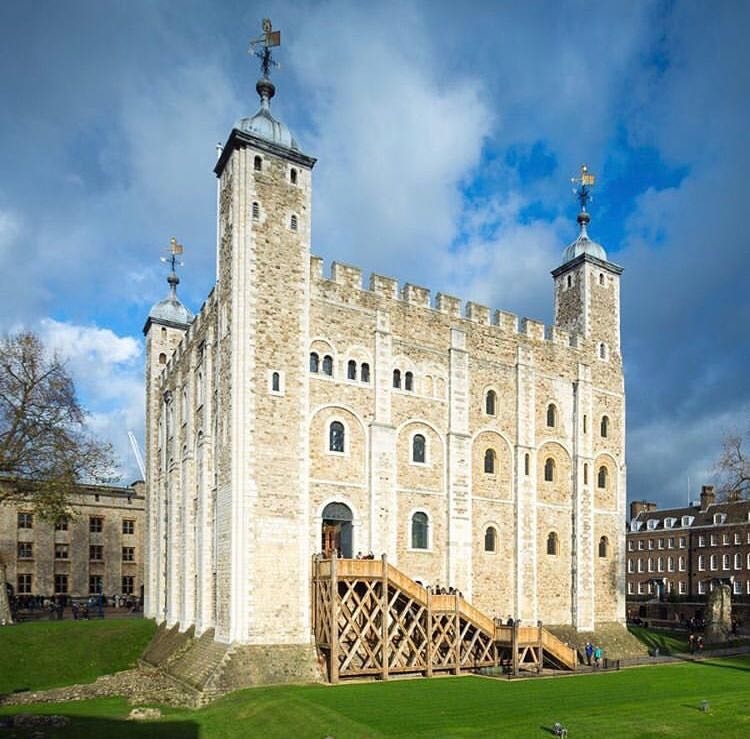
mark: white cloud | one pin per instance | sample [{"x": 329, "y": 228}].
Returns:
[{"x": 107, "y": 371}]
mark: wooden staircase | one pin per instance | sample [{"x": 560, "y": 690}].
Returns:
[{"x": 370, "y": 619}]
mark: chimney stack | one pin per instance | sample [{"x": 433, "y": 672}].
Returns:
[{"x": 708, "y": 498}]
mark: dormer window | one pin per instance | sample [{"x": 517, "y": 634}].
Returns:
[
  {"x": 687, "y": 520},
  {"x": 652, "y": 523},
  {"x": 720, "y": 517},
  {"x": 669, "y": 523}
]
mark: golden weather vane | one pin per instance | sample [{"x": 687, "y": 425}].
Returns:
[
  {"x": 174, "y": 250},
  {"x": 585, "y": 182},
  {"x": 262, "y": 45}
]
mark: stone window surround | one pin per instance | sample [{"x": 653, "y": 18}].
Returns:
[
  {"x": 327, "y": 437},
  {"x": 282, "y": 385},
  {"x": 409, "y": 547}
]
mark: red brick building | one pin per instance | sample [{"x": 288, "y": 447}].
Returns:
[{"x": 674, "y": 556}]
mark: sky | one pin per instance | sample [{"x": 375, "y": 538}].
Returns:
[{"x": 446, "y": 137}]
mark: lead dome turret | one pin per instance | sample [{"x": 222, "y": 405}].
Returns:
[
  {"x": 263, "y": 124},
  {"x": 170, "y": 311}
]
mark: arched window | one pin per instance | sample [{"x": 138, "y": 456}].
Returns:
[
  {"x": 162, "y": 358},
  {"x": 328, "y": 365},
  {"x": 490, "y": 402},
  {"x": 293, "y": 176},
  {"x": 601, "y": 278},
  {"x": 256, "y": 211},
  {"x": 275, "y": 382},
  {"x": 570, "y": 281},
  {"x": 549, "y": 469},
  {"x": 293, "y": 223},
  {"x": 364, "y": 374},
  {"x": 551, "y": 416},
  {"x": 314, "y": 362},
  {"x": 409, "y": 381},
  {"x": 418, "y": 448},
  {"x": 552, "y": 543},
  {"x": 526, "y": 464},
  {"x": 490, "y": 539},
  {"x": 603, "y": 546},
  {"x": 420, "y": 527},
  {"x": 601, "y": 479},
  {"x": 351, "y": 370},
  {"x": 489, "y": 461},
  {"x": 257, "y": 164},
  {"x": 336, "y": 437},
  {"x": 605, "y": 427},
  {"x": 397, "y": 378}
]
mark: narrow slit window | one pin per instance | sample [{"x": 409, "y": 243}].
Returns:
[
  {"x": 276, "y": 382},
  {"x": 490, "y": 539},
  {"x": 489, "y": 461},
  {"x": 601, "y": 481},
  {"x": 351, "y": 370},
  {"x": 258, "y": 164},
  {"x": 314, "y": 362},
  {"x": 293, "y": 223},
  {"x": 293, "y": 176},
  {"x": 490, "y": 403},
  {"x": 336, "y": 437},
  {"x": 552, "y": 543},
  {"x": 605, "y": 427},
  {"x": 397, "y": 378},
  {"x": 364, "y": 374},
  {"x": 409, "y": 381},
  {"x": 551, "y": 416},
  {"x": 549, "y": 470},
  {"x": 418, "y": 449},
  {"x": 328, "y": 365}
]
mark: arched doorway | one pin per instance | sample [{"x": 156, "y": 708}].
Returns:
[{"x": 337, "y": 530}]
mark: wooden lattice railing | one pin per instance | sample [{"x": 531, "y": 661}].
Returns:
[{"x": 369, "y": 618}]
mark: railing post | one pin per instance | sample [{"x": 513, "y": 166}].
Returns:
[
  {"x": 514, "y": 646},
  {"x": 540, "y": 646},
  {"x": 385, "y": 641},
  {"x": 334, "y": 623},
  {"x": 457, "y": 622},
  {"x": 428, "y": 632}
]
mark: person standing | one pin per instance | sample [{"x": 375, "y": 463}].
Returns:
[
  {"x": 589, "y": 652},
  {"x": 597, "y": 657}
]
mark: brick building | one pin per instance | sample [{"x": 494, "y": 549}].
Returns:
[
  {"x": 99, "y": 549},
  {"x": 674, "y": 555},
  {"x": 298, "y": 413}
]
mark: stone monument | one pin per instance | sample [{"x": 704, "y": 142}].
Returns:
[
  {"x": 719, "y": 613},
  {"x": 5, "y": 614}
]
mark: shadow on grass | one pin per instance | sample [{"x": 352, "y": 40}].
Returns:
[{"x": 85, "y": 727}]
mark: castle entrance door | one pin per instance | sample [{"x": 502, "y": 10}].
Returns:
[{"x": 337, "y": 530}]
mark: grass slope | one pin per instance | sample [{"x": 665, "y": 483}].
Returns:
[
  {"x": 51, "y": 654},
  {"x": 658, "y": 701}
]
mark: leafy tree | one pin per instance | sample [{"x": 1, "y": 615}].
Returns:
[
  {"x": 45, "y": 448},
  {"x": 734, "y": 467}
]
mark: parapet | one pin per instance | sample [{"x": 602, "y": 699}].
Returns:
[{"x": 350, "y": 278}]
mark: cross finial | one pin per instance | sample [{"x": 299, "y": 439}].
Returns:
[
  {"x": 262, "y": 45},
  {"x": 585, "y": 182}
]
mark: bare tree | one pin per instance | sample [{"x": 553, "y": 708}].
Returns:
[
  {"x": 733, "y": 467},
  {"x": 45, "y": 448}
]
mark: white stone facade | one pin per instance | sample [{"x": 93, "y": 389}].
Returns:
[{"x": 239, "y": 431}]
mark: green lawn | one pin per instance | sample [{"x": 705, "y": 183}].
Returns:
[
  {"x": 656, "y": 701},
  {"x": 668, "y": 642},
  {"x": 50, "y": 654}
]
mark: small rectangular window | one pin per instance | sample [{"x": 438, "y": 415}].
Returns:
[
  {"x": 128, "y": 587},
  {"x": 61, "y": 584},
  {"x": 61, "y": 524},
  {"x": 128, "y": 526},
  {"x": 95, "y": 584},
  {"x": 25, "y": 521},
  {"x": 61, "y": 551},
  {"x": 96, "y": 552},
  {"x": 96, "y": 524},
  {"x": 128, "y": 554},
  {"x": 24, "y": 584},
  {"x": 25, "y": 550}
]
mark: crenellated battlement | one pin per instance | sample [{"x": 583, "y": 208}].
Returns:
[{"x": 349, "y": 278}]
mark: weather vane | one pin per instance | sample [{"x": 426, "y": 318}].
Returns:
[
  {"x": 262, "y": 45},
  {"x": 585, "y": 182},
  {"x": 174, "y": 250}
]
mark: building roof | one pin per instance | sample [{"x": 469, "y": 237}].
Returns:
[
  {"x": 733, "y": 512},
  {"x": 263, "y": 124}
]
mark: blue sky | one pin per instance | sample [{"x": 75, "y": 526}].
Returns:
[{"x": 446, "y": 137}]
